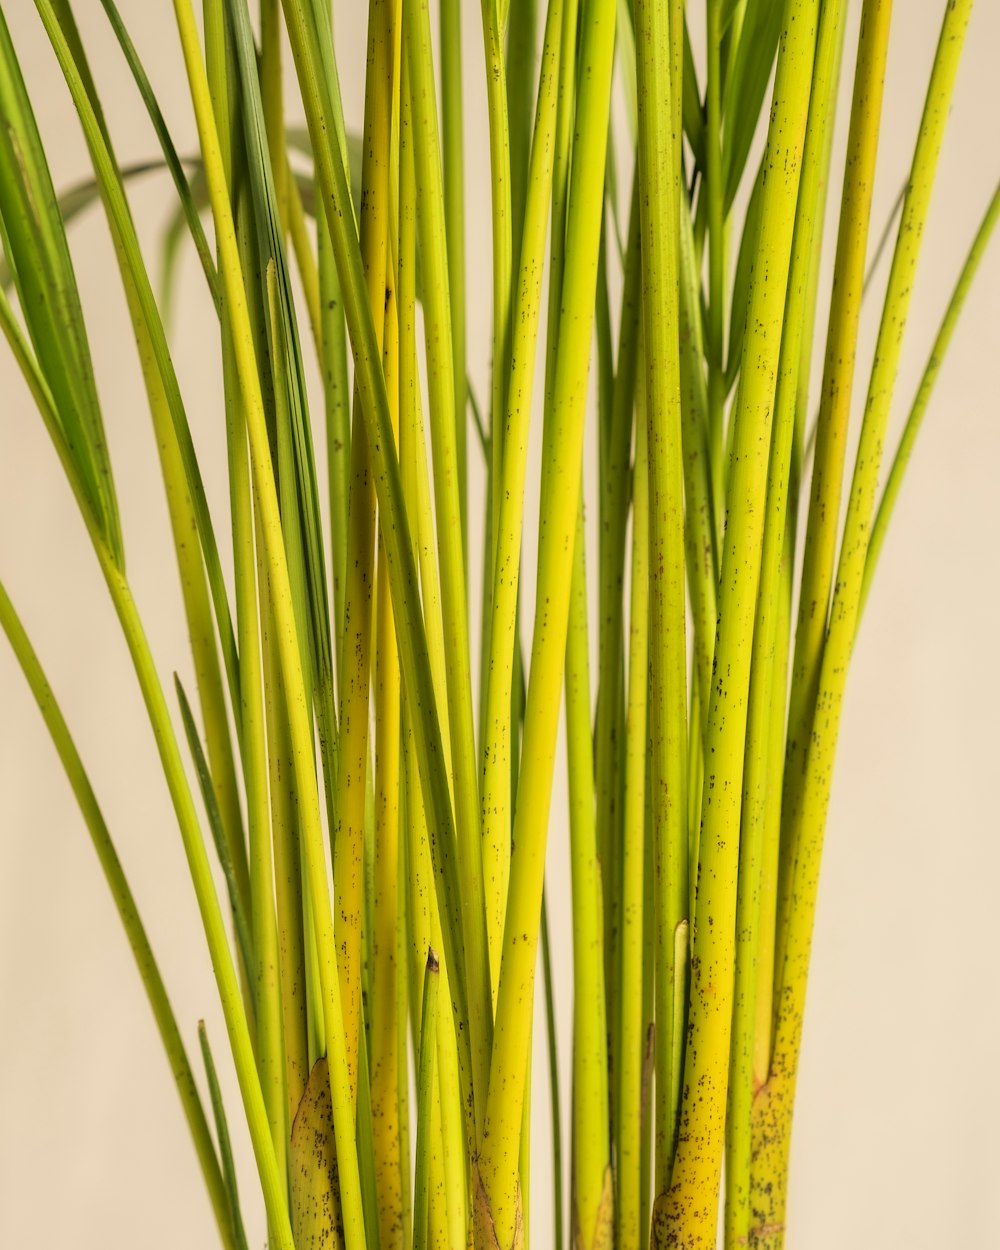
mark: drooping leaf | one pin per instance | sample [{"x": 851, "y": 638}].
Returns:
[
  {"x": 170, "y": 156},
  {"x": 34, "y": 241},
  {"x": 160, "y": 376},
  {"x": 78, "y": 198}
]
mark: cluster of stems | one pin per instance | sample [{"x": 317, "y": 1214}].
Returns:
[{"x": 377, "y": 784}]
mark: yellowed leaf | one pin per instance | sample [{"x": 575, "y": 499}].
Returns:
[{"x": 313, "y": 1168}]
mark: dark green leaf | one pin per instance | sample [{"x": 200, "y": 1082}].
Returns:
[{"x": 38, "y": 257}]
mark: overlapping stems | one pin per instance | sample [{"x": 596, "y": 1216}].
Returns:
[{"x": 384, "y": 871}]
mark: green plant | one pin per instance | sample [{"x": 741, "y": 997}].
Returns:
[{"x": 697, "y": 797}]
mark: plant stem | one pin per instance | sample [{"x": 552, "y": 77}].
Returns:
[
  {"x": 437, "y": 314},
  {"x": 498, "y": 1210},
  {"x": 632, "y": 1045},
  {"x": 272, "y": 1182},
  {"x": 685, "y": 1212},
  {"x": 388, "y": 914},
  {"x": 496, "y": 800},
  {"x": 714, "y": 192},
  {"x": 659, "y": 176},
  {"x": 835, "y": 402},
  {"x": 592, "y": 1186},
  {"x": 288, "y": 647},
  {"x": 453, "y": 172},
  {"x": 807, "y": 817},
  {"x": 500, "y": 190},
  {"x": 425, "y": 1094},
  {"x": 914, "y": 421},
  {"x": 768, "y": 673},
  {"x": 161, "y": 391},
  {"x": 355, "y": 665},
  {"x": 128, "y": 913}
]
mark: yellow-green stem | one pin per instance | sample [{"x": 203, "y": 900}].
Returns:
[
  {"x": 685, "y": 1215},
  {"x": 498, "y": 729},
  {"x": 500, "y": 175},
  {"x": 592, "y": 1195},
  {"x": 355, "y": 661},
  {"x": 807, "y": 817},
  {"x": 768, "y": 674},
  {"x": 437, "y": 313},
  {"x": 630, "y": 1235},
  {"x": 183, "y": 521},
  {"x": 913, "y": 422},
  {"x": 835, "y": 401},
  {"x": 300, "y": 721},
  {"x": 714, "y": 192},
  {"x": 452, "y": 145},
  {"x": 384, "y": 1029},
  {"x": 659, "y": 183},
  {"x": 498, "y": 1208}
]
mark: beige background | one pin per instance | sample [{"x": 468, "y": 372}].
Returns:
[{"x": 896, "y": 1141}]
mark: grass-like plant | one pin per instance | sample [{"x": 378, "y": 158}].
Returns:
[{"x": 374, "y": 783}]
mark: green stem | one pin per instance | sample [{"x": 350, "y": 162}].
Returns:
[
  {"x": 592, "y": 1196},
  {"x": 632, "y": 1044},
  {"x": 300, "y": 725},
  {"x": 500, "y": 189},
  {"x": 835, "y": 402},
  {"x": 222, "y": 1132},
  {"x": 498, "y": 1208},
  {"x": 554, "y": 1095},
  {"x": 659, "y": 181},
  {"x": 387, "y": 913},
  {"x": 271, "y": 1179},
  {"x": 262, "y": 708},
  {"x": 715, "y": 197},
  {"x": 182, "y": 484},
  {"x": 355, "y": 659},
  {"x": 425, "y": 1090},
  {"x": 497, "y": 735},
  {"x": 173, "y": 768},
  {"x": 453, "y": 171},
  {"x": 701, "y": 531},
  {"x": 768, "y": 678},
  {"x": 914, "y": 421},
  {"x": 441, "y": 391},
  {"x": 686, "y": 1213},
  {"x": 615, "y": 459},
  {"x": 807, "y": 816}
]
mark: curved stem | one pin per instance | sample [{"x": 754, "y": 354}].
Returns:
[{"x": 128, "y": 913}]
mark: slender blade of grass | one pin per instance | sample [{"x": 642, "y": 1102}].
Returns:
[
  {"x": 222, "y": 1133},
  {"x": 243, "y": 931},
  {"x": 34, "y": 242},
  {"x": 128, "y": 912}
]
